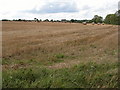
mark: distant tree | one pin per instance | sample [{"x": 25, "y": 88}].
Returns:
[
  {"x": 36, "y": 20},
  {"x": 72, "y": 20},
  {"x": 5, "y": 20},
  {"x": 63, "y": 20},
  {"x": 118, "y": 17},
  {"x": 97, "y": 19},
  {"x": 90, "y": 21},
  {"x": 19, "y": 19},
  {"x": 108, "y": 19},
  {"x": 118, "y": 13},
  {"x": 58, "y": 20},
  {"x": 14, "y": 20},
  {"x": 112, "y": 19},
  {"x": 46, "y": 20},
  {"x": 40, "y": 20},
  {"x": 55, "y": 20},
  {"x": 51, "y": 20}
]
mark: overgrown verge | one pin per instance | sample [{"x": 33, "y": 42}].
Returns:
[{"x": 90, "y": 75}]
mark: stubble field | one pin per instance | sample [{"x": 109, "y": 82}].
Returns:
[{"x": 59, "y": 55}]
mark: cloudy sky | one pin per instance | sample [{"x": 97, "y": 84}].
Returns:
[{"x": 56, "y": 9}]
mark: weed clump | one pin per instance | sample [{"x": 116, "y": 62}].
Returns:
[{"x": 60, "y": 56}]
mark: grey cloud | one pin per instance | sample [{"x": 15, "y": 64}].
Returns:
[
  {"x": 86, "y": 7},
  {"x": 56, "y": 7}
]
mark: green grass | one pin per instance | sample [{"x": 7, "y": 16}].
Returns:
[
  {"x": 60, "y": 56},
  {"x": 55, "y": 58},
  {"x": 90, "y": 75}
]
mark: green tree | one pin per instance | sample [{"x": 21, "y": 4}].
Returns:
[
  {"x": 112, "y": 19},
  {"x": 72, "y": 20},
  {"x": 46, "y": 20},
  {"x": 51, "y": 20},
  {"x": 97, "y": 19}
]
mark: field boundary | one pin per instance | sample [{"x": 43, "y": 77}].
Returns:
[{"x": 0, "y": 54}]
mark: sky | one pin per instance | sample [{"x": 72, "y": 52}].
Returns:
[{"x": 56, "y": 9}]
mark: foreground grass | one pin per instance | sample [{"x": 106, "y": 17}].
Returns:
[{"x": 90, "y": 75}]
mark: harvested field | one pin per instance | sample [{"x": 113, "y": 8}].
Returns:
[{"x": 57, "y": 45}]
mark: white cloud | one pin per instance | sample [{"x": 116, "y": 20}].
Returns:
[{"x": 54, "y": 9}]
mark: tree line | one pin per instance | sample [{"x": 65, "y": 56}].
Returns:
[
  {"x": 109, "y": 19},
  {"x": 113, "y": 18}
]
